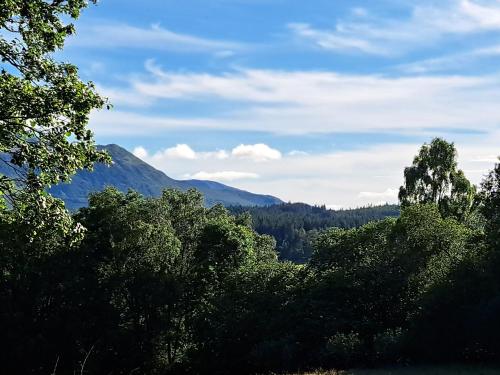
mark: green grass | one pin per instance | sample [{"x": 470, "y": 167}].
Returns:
[{"x": 423, "y": 370}]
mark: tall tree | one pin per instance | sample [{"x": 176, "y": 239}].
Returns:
[
  {"x": 45, "y": 108},
  {"x": 434, "y": 178}
]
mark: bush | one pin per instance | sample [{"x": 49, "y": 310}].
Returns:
[
  {"x": 388, "y": 345},
  {"x": 343, "y": 350}
]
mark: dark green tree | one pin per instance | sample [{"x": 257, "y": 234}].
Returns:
[
  {"x": 157, "y": 267},
  {"x": 354, "y": 291},
  {"x": 142, "y": 257},
  {"x": 490, "y": 194},
  {"x": 434, "y": 178},
  {"x": 295, "y": 225}
]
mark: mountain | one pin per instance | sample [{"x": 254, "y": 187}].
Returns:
[{"x": 129, "y": 172}]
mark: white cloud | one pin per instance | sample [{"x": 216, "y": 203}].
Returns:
[
  {"x": 124, "y": 97},
  {"x": 223, "y": 176},
  {"x": 219, "y": 154},
  {"x": 128, "y": 123},
  {"x": 307, "y": 102},
  {"x": 451, "y": 61},
  {"x": 140, "y": 152},
  {"x": 485, "y": 16},
  {"x": 390, "y": 194},
  {"x": 333, "y": 178},
  {"x": 258, "y": 152},
  {"x": 427, "y": 24},
  {"x": 334, "y": 40},
  {"x": 486, "y": 159},
  {"x": 181, "y": 151},
  {"x": 155, "y": 37}
]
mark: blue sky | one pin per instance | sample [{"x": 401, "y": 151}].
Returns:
[{"x": 317, "y": 101}]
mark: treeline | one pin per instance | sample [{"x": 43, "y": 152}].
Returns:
[
  {"x": 296, "y": 225},
  {"x": 146, "y": 291},
  {"x": 167, "y": 286}
]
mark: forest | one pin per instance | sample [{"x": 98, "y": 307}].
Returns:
[
  {"x": 137, "y": 285},
  {"x": 165, "y": 285},
  {"x": 294, "y": 226}
]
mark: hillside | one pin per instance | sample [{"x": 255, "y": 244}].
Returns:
[
  {"x": 294, "y": 225},
  {"x": 130, "y": 172}
]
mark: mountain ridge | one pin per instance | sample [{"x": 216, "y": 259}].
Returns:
[{"x": 129, "y": 172}]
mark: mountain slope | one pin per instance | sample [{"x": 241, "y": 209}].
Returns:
[{"x": 130, "y": 172}]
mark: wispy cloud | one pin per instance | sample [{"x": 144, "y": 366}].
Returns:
[
  {"x": 223, "y": 176},
  {"x": 390, "y": 194},
  {"x": 312, "y": 102},
  {"x": 298, "y": 87},
  {"x": 155, "y": 37},
  {"x": 426, "y": 24},
  {"x": 450, "y": 62},
  {"x": 335, "y": 40},
  {"x": 484, "y": 16}
]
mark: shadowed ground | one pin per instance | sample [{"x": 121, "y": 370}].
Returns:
[{"x": 440, "y": 370}]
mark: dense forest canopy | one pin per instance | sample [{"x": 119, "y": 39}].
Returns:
[
  {"x": 296, "y": 225},
  {"x": 167, "y": 286}
]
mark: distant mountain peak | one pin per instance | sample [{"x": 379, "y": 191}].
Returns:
[{"x": 129, "y": 172}]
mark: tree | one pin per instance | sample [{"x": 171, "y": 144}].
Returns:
[
  {"x": 45, "y": 109},
  {"x": 248, "y": 327},
  {"x": 295, "y": 225},
  {"x": 372, "y": 291},
  {"x": 156, "y": 266},
  {"x": 436, "y": 253},
  {"x": 355, "y": 290},
  {"x": 434, "y": 178},
  {"x": 490, "y": 195}
]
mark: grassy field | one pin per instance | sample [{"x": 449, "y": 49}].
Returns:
[{"x": 444, "y": 370}]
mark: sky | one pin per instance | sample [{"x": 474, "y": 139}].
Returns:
[{"x": 320, "y": 101}]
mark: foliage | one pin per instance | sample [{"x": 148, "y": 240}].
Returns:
[
  {"x": 385, "y": 279},
  {"x": 491, "y": 205},
  {"x": 168, "y": 286},
  {"x": 45, "y": 109},
  {"x": 147, "y": 272},
  {"x": 295, "y": 225},
  {"x": 249, "y": 326},
  {"x": 434, "y": 178}
]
